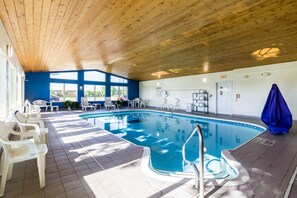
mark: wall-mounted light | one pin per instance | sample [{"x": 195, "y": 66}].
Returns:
[
  {"x": 265, "y": 74},
  {"x": 158, "y": 85},
  {"x": 204, "y": 79},
  {"x": 9, "y": 51},
  {"x": 80, "y": 88}
]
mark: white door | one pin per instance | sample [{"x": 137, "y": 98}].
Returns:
[{"x": 224, "y": 97}]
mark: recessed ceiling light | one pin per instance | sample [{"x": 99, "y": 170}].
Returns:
[{"x": 261, "y": 54}]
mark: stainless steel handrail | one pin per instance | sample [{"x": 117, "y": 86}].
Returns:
[{"x": 199, "y": 172}]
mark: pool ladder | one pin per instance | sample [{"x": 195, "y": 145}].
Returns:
[{"x": 199, "y": 172}]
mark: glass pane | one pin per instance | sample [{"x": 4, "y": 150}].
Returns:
[
  {"x": 118, "y": 79},
  {"x": 89, "y": 92},
  {"x": 124, "y": 95},
  {"x": 114, "y": 90},
  {"x": 64, "y": 75},
  {"x": 71, "y": 92},
  {"x": 100, "y": 93},
  {"x": 56, "y": 91},
  {"x": 117, "y": 92},
  {"x": 94, "y": 76}
]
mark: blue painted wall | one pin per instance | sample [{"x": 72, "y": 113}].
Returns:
[{"x": 37, "y": 85}]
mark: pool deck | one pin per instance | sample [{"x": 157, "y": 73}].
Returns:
[{"x": 86, "y": 161}]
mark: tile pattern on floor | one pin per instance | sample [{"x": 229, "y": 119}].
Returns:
[{"x": 86, "y": 161}]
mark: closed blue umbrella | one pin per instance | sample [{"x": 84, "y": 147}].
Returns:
[{"x": 276, "y": 113}]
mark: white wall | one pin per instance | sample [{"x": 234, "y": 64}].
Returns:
[
  {"x": 253, "y": 90},
  {"x": 11, "y": 77}
]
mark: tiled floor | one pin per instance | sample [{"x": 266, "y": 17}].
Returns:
[{"x": 85, "y": 161}]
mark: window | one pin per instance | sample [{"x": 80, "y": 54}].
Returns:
[
  {"x": 94, "y": 76},
  {"x": 118, "y": 79},
  {"x": 63, "y": 92},
  {"x": 94, "y": 92},
  {"x": 117, "y": 92},
  {"x": 64, "y": 75}
]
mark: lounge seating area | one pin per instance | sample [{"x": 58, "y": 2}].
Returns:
[
  {"x": 85, "y": 104},
  {"x": 109, "y": 104},
  {"x": 29, "y": 142},
  {"x": 44, "y": 104},
  {"x": 138, "y": 102}
]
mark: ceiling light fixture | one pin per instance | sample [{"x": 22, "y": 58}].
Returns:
[
  {"x": 269, "y": 52},
  {"x": 205, "y": 66}
]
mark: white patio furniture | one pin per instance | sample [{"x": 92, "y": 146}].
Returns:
[
  {"x": 96, "y": 105},
  {"x": 163, "y": 104},
  {"x": 136, "y": 102},
  {"x": 31, "y": 110},
  {"x": 30, "y": 125},
  {"x": 10, "y": 119},
  {"x": 108, "y": 104},
  {"x": 42, "y": 104},
  {"x": 130, "y": 103},
  {"x": 85, "y": 104},
  {"x": 53, "y": 107},
  {"x": 142, "y": 103},
  {"x": 18, "y": 151},
  {"x": 173, "y": 104}
]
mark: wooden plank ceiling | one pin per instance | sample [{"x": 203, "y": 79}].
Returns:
[{"x": 153, "y": 39}]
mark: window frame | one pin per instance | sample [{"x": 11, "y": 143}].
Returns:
[
  {"x": 94, "y": 91},
  {"x": 125, "y": 99},
  {"x": 73, "y": 79},
  {"x": 63, "y": 91},
  {"x": 87, "y": 80},
  {"x": 120, "y": 78}
]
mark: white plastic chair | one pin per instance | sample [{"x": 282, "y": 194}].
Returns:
[
  {"x": 18, "y": 151},
  {"x": 163, "y": 104},
  {"x": 31, "y": 125},
  {"x": 85, "y": 104},
  {"x": 136, "y": 102},
  {"x": 173, "y": 104},
  {"x": 54, "y": 106},
  {"x": 143, "y": 103},
  {"x": 130, "y": 103},
  {"x": 108, "y": 104},
  {"x": 10, "y": 119},
  {"x": 31, "y": 110},
  {"x": 42, "y": 104}
]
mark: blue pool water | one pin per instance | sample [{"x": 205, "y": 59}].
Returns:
[{"x": 166, "y": 133}]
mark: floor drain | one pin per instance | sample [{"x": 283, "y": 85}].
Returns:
[{"x": 264, "y": 141}]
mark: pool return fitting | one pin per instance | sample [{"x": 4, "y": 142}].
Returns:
[{"x": 199, "y": 172}]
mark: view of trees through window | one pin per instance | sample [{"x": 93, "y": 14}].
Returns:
[
  {"x": 63, "y": 92},
  {"x": 118, "y": 92},
  {"x": 94, "y": 92}
]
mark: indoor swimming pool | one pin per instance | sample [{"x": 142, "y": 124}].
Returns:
[{"x": 165, "y": 133}]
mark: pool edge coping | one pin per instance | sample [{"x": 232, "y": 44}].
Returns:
[{"x": 241, "y": 178}]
